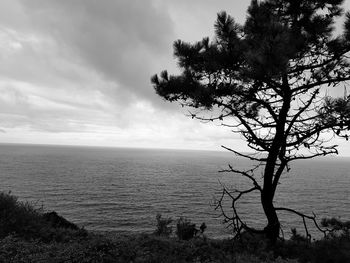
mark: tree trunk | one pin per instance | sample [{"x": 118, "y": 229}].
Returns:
[
  {"x": 277, "y": 148},
  {"x": 267, "y": 194},
  {"x": 273, "y": 225}
]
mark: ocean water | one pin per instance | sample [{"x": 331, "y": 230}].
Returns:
[{"x": 122, "y": 190}]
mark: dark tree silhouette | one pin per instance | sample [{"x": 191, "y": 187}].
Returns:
[{"x": 268, "y": 81}]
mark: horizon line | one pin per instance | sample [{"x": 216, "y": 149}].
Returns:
[{"x": 220, "y": 150}]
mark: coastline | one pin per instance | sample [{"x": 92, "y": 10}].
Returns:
[{"x": 30, "y": 235}]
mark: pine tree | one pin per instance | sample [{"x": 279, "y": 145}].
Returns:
[{"x": 267, "y": 80}]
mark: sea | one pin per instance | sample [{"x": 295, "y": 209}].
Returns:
[{"x": 121, "y": 190}]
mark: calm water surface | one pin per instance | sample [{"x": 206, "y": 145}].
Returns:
[{"x": 122, "y": 190}]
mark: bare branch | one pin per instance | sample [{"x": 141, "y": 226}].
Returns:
[
  {"x": 250, "y": 157},
  {"x": 304, "y": 217},
  {"x": 245, "y": 174}
]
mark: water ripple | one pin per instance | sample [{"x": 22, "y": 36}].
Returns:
[{"x": 123, "y": 189}]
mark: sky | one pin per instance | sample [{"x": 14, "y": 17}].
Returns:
[{"x": 77, "y": 72}]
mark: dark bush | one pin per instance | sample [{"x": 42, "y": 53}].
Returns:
[
  {"x": 24, "y": 220},
  {"x": 18, "y": 217},
  {"x": 163, "y": 228},
  {"x": 337, "y": 226},
  {"x": 185, "y": 229},
  {"x": 335, "y": 223},
  {"x": 298, "y": 237}
]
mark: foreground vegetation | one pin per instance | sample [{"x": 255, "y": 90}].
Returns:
[{"x": 27, "y": 234}]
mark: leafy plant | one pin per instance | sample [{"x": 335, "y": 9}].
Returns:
[
  {"x": 18, "y": 217},
  {"x": 185, "y": 229},
  {"x": 337, "y": 226},
  {"x": 298, "y": 237},
  {"x": 25, "y": 220},
  {"x": 163, "y": 228}
]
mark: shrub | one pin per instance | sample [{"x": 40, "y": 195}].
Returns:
[
  {"x": 185, "y": 229},
  {"x": 18, "y": 217},
  {"x": 298, "y": 237},
  {"x": 163, "y": 228},
  {"x": 337, "y": 226},
  {"x": 24, "y": 220}
]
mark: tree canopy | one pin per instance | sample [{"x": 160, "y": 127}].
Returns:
[{"x": 267, "y": 80}]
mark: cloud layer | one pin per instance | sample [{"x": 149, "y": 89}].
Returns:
[{"x": 77, "y": 72}]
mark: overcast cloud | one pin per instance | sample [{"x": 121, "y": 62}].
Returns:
[{"x": 77, "y": 72}]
